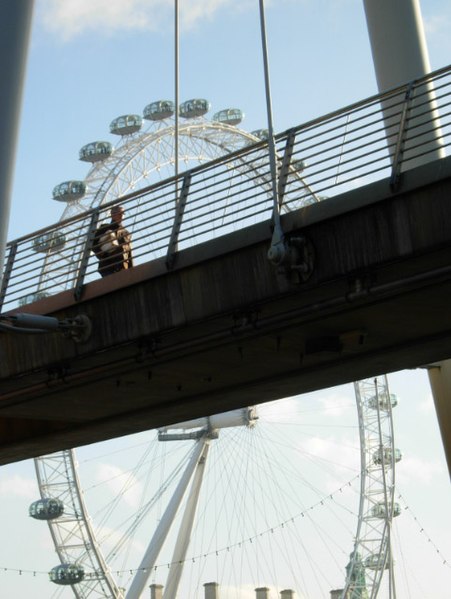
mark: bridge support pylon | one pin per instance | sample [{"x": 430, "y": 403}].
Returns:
[
  {"x": 399, "y": 50},
  {"x": 400, "y": 54}
]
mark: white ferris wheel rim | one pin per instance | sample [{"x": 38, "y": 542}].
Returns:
[{"x": 122, "y": 166}]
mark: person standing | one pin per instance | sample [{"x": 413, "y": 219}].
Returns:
[{"x": 112, "y": 244}]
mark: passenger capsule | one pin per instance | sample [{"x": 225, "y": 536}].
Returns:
[
  {"x": 69, "y": 191},
  {"x": 375, "y": 562},
  {"x": 49, "y": 242},
  {"x": 229, "y": 116},
  {"x": 126, "y": 124},
  {"x": 66, "y": 574},
  {"x": 298, "y": 165},
  {"x": 262, "y": 134},
  {"x": 387, "y": 456},
  {"x": 46, "y": 508},
  {"x": 384, "y": 400},
  {"x": 194, "y": 108},
  {"x": 96, "y": 151},
  {"x": 157, "y": 111},
  {"x": 378, "y": 510}
]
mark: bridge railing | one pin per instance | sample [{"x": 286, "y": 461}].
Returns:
[{"x": 374, "y": 139}]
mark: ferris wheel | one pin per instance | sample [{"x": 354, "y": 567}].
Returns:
[
  {"x": 145, "y": 155},
  {"x": 92, "y": 565},
  {"x": 293, "y": 488}
]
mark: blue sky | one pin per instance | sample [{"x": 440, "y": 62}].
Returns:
[{"x": 93, "y": 60}]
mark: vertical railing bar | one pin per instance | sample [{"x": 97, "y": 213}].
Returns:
[
  {"x": 7, "y": 273},
  {"x": 397, "y": 158},
  {"x": 178, "y": 219},
  {"x": 78, "y": 290},
  {"x": 284, "y": 168}
]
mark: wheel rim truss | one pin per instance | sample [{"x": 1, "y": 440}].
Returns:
[
  {"x": 372, "y": 555},
  {"x": 72, "y": 534}
]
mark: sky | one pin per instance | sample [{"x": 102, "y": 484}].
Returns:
[{"x": 93, "y": 60}]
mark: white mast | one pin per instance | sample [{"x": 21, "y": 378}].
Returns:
[
  {"x": 184, "y": 536},
  {"x": 400, "y": 54},
  {"x": 15, "y": 21},
  {"x": 398, "y": 46},
  {"x": 160, "y": 534}
]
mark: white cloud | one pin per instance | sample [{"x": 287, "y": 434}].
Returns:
[
  {"x": 281, "y": 410},
  {"x": 120, "y": 482},
  {"x": 427, "y": 405},
  {"x": 335, "y": 404},
  {"x": 339, "y": 456},
  {"x": 70, "y": 18},
  {"x": 110, "y": 538},
  {"x": 417, "y": 470},
  {"x": 18, "y": 486},
  {"x": 437, "y": 28},
  {"x": 437, "y": 24}
]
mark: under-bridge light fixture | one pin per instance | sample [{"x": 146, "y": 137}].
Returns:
[{"x": 78, "y": 328}]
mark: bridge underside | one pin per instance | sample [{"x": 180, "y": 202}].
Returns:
[{"x": 223, "y": 329}]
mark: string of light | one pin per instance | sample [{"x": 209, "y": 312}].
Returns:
[
  {"x": 422, "y": 531},
  {"x": 271, "y": 530},
  {"x": 238, "y": 544}
]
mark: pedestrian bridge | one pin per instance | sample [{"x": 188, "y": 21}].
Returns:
[{"x": 359, "y": 284}]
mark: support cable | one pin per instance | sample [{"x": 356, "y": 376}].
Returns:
[
  {"x": 176, "y": 93},
  {"x": 295, "y": 255},
  {"x": 271, "y": 143}
]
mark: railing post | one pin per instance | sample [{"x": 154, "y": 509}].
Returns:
[
  {"x": 7, "y": 273},
  {"x": 399, "y": 148},
  {"x": 178, "y": 219},
  {"x": 284, "y": 167},
  {"x": 85, "y": 256}
]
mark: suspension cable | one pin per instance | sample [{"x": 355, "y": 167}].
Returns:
[
  {"x": 176, "y": 89},
  {"x": 176, "y": 93},
  {"x": 271, "y": 143}
]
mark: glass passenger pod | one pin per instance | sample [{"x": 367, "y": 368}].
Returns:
[
  {"x": 49, "y": 242},
  {"x": 386, "y": 455},
  {"x": 32, "y": 297},
  {"x": 46, "y": 508},
  {"x": 298, "y": 165},
  {"x": 262, "y": 134},
  {"x": 66, "y": 574},
  {"x": 157, "y": 111},
  {"x": 378, "y": 510},
  {"x": 375, "y": 562},
  {"x": 96, "y": 151},
  {"x": 69, "y": 191},
  {"x": 126, "y": 124},
  {"x": 384, "y": 401},
  {"x": 229, "y": 116},
  {"x": 192, "y": 109}
]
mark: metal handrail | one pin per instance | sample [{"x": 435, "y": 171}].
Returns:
[{"x": 376, "y": 138}]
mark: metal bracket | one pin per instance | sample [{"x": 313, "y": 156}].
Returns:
[
  {"x": 293, "y": 256},
  {"x": 244, "y": 320},
  {"x": 79, "y": 328}
]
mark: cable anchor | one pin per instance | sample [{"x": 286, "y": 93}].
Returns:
[{"x": 293, "y": 256}]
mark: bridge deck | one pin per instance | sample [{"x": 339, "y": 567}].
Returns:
[{"x": 223, "y": 329}]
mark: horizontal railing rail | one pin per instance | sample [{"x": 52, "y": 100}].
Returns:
[{"x": 376, "y": 138}]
